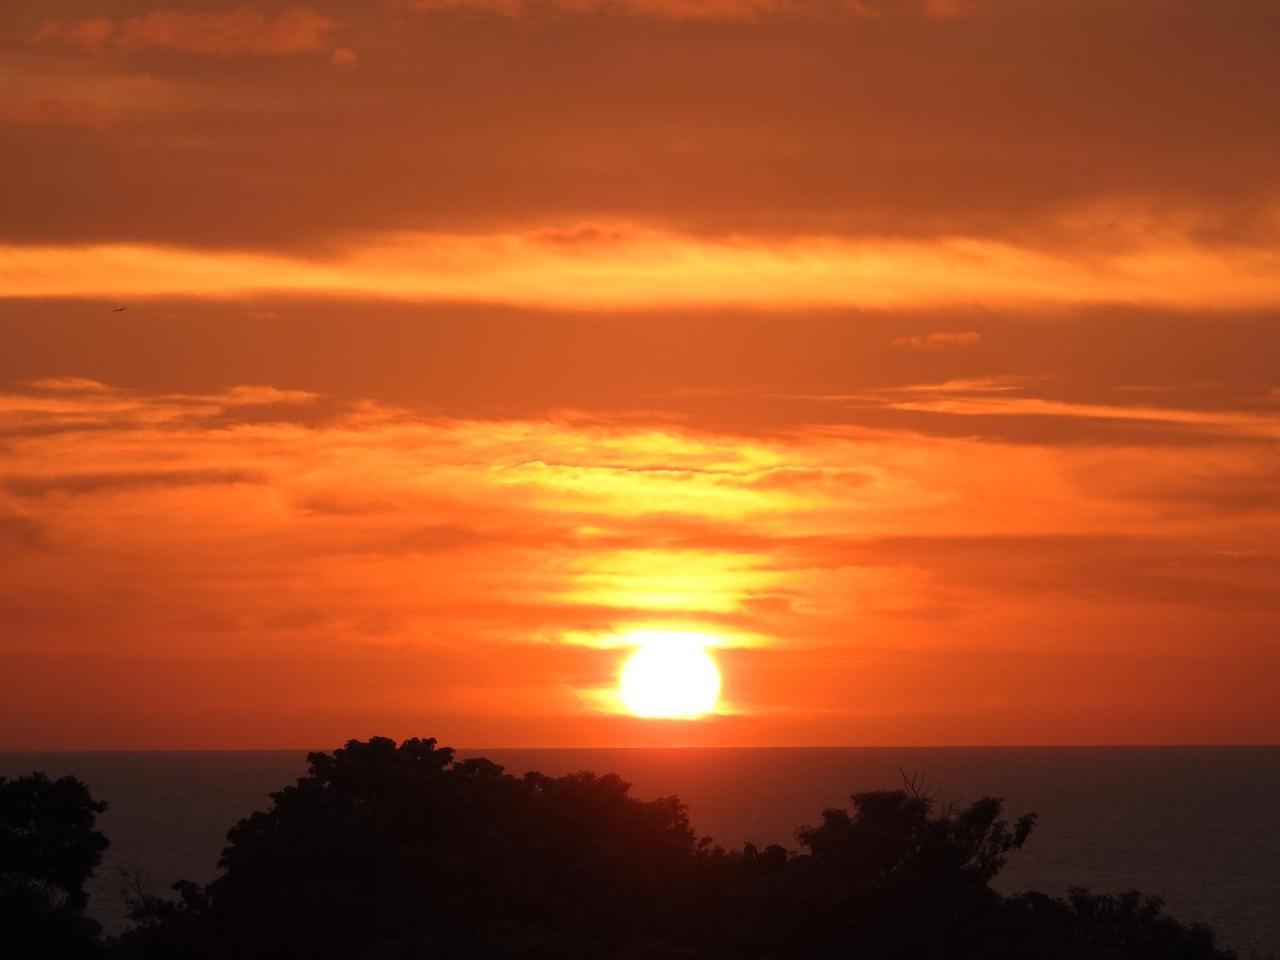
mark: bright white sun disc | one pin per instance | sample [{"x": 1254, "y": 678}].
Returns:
[{"x": 670, "y": 678}]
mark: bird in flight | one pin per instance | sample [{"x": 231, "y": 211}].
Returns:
[{"x": 119, "y": 309}]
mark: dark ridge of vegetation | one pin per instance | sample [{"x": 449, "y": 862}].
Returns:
[
  {"x": 398, "y": 852},
  {"x": 48, "y": 850}
]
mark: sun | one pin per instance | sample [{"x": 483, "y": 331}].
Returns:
[{"x": 670, "y": 676}]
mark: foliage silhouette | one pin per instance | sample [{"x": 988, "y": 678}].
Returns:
[
  {"x": 387, "y": 850},
  {"x": 390, "y": 851},
  {"x": 48, "y": 849}
]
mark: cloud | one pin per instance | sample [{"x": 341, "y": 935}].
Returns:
[
  {"x": 949, "y": 9},
  {"x": 587, "y": 236},
  {"x": 1243, "y": 424},
  {"x": 35, "y": 485},
  {"x": 731, "y": 139},
  {"x": 240, "y": 31},
  {"x": 67, "y": 385},
  {"x": 77, "y": 95},
  {"x": 939, "y": 342},
  {"x": 1007, "y": 398},
  {"x": 58, "y": 111},
  {"x": 680, "y": 10},
  {"x": 634, "y": 266},
  {"x": 54, "y": 406},
  {"x": 1235, "y": 479},
  {"x": 436, "y": 538},
  {"x": 708, "y": 10},
  {"x": 18, "y": 532},
  {"x": 980, "y": 385},
  {"x": 427, "y": 560}
]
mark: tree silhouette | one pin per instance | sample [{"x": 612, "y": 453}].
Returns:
[
  {"x": 398, "y": 850},
  {"x": 392, "y": 852},
  {"x": 48, "y": 850}
]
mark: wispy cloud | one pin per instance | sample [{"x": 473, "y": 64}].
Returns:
[
  {"x": 939, "y": 342},
  {"x": 634, "y": 266},
  {"x": 1011, "y": 396},
  {"x": 34, "y": 485},
  {"x": 240, "y": 31},
  {"x": 1242, "y": 423},
  {"x": 68, "y": 385},
  {"x": 703, "y": 10}
]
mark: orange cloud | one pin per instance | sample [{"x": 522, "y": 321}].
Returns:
[
  {"x": 75, "y": 97},
  {"x": 58, "y": 112},
  {"x": 241, "y": 31},
  {"x": 67, "y": 384},
  {"x": 938, "y": 342},
  {"x": 732, "y": 136},
  {"x": 630, "y": 267},
  {"x": 707, "y": 10},
  {"x": 1242, "y": 423},
  {"x": 713, "y": 10},
  {"x": 948, "y": 9}
]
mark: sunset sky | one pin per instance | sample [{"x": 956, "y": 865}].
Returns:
[{"x": 920, "y": 357}]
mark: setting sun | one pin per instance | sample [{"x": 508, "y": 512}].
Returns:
[{"x": 670, "y": 676}]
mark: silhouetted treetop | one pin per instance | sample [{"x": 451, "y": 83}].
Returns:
[
  {"x": 48, "y": 850},
  {"x": 47, "y": 834},
  {"x": 402, "y": 844},
  {"x": 895, "y": 835},
  {"x": 387, "y": 850}
]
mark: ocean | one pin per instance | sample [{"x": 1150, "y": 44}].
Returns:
[{"x": 1196, "y": 826}]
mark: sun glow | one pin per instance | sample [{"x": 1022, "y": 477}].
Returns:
[{"x": 670, "y": 676}]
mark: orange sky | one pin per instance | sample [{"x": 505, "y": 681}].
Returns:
[{"x": 921, "y": 354}]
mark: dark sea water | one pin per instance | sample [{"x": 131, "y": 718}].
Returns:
[{"x": 1197, "y": 826}]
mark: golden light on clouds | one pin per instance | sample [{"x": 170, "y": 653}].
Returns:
[
  {"x": 627, "y": 267},
  {"x": 823, "y": 569},
  {"x": 689, "y": 581}
]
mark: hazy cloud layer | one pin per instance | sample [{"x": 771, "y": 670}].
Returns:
[
  {"x": 238, "y": 31},
  {"x": 761, "y": 124},
  {"x": 940, "y": 341},
  {"x": 751, "y": 11}
]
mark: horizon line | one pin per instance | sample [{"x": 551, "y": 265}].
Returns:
[{"x": 473, "y": 749}]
